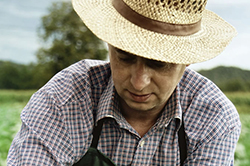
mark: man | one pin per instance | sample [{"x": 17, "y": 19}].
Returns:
[{"x": 138, "y": 103}]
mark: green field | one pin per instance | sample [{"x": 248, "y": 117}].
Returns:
[
  {"x": 12, "y": 103},
  {"x": 242, "y": 102}
]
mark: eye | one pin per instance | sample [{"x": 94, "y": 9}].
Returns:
[
  {"x": 125, "y": 56},
  {"x": 157, "y": 64},
  {"x": 127, "y": 59}
]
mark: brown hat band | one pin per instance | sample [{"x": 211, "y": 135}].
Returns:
[{"x": 154, "y": 25}]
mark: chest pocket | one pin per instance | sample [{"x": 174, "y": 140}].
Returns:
[{"x": 93, "y": 156}]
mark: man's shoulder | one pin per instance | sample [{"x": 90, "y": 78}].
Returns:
[
  {"x": 202, "y": 93},
  {"x": 77, "y": 86},
  {"x": 77, "y": 80},
  {"x": 204, "y": 98},
  {"x": 87, "y": 65},
  {"x": 192, "y": 82},
  {"x": 207, "y": 110},
  {"x": 85, "y": 70}
]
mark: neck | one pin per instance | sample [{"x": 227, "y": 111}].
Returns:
[{"x": 140, "y": 120}]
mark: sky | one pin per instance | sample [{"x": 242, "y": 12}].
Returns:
[{"x": 19, "y": 21}]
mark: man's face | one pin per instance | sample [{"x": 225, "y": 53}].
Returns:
[{"x": 143, "y": 84}]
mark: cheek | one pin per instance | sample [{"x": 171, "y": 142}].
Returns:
[
  {"x": 167, "y": 85},
  {"x": 118, "y": 74}
]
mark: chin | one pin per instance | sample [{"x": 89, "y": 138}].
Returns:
[{"x": 140, "y": 106}]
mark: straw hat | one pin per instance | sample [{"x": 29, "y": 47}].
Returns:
[{"x": 174, "y": 31}]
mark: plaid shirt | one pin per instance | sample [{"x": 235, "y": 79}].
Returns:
[{"x": 58, "y": 120}]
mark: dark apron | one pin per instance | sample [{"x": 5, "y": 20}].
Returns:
[{"x": 94, "y": 157}]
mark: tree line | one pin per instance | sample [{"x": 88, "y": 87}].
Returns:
[{"x": 229, "y": 79}]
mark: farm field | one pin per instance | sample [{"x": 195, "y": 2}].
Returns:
[
  {"x": 242, "y": 102},
  {"x": 12, "y": 103}
]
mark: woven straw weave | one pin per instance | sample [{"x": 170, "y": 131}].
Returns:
[{"x": 171, "y": 11}]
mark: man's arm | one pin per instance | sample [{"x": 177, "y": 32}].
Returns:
[
  {"x": 218, "y": 151},
  {"x": 43, "y": 138},
  {"x": 28, "y": 149}
]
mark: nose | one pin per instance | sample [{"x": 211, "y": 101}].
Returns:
[{"x": 140, "y": 75}]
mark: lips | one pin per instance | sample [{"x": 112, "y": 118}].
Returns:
[{"x": 140, "y": 98}]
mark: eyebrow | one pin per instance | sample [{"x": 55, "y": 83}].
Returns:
[
  {"x": 146, "y": 59},
  {"x": 124, "y": 52}
]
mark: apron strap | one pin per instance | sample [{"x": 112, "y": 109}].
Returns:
[
  {"x": 97, "y": 132},
  {"x": 93, "y": 157},
  {"x": 182, "y": 143}
]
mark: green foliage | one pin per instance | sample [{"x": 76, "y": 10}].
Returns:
[
  {"x": 242, "y": 153},
  {"x": 66, "y": 41},
  {"x": 229, "y": 79},
  {"x": 11, "y": 104},
  {"x": 9, "y": 125},
  {"x": 16, "y": 76},
  {"x": 13, "y": 96},
  {"x": 235, "y": 85},
  {"x": 241, "y": 100}
]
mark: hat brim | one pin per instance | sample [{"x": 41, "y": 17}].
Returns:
[{"x": 107, "y": 24}]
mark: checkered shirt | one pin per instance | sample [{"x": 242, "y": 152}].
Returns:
[{"x": 58, "y": 120}]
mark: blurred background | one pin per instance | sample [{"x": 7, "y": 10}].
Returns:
[{"x": 40, "y": 38}]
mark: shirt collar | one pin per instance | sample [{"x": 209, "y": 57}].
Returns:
[
  {"x": 108, "y": 106},
  {"x": 173, "y": 109}
]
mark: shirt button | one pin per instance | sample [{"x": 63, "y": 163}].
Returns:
[{"x": 141, "y": 144}]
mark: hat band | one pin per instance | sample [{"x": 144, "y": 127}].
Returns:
[{"x": 154, "y": 25}]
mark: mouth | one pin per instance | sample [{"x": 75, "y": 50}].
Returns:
[{"x": 140, "y": 98}]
